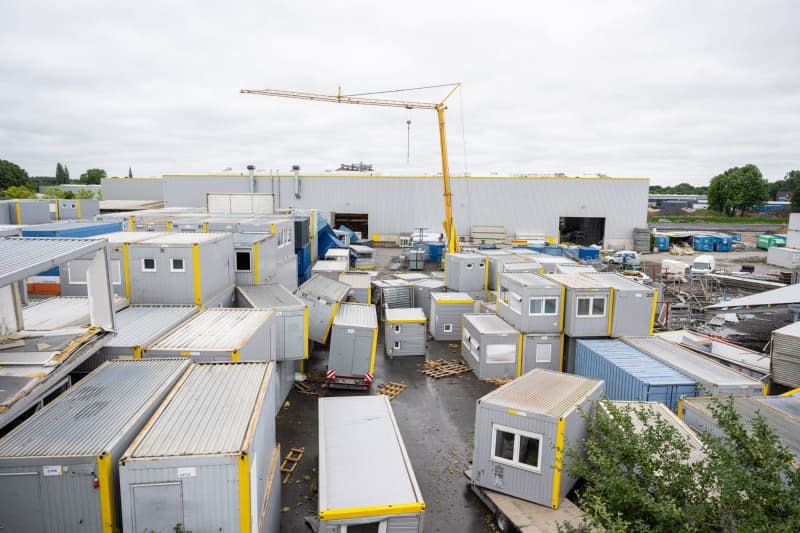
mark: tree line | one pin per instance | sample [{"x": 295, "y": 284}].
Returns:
[{"x": 16, "y": 183}]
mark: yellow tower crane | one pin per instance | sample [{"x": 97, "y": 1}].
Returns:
[{"x": 339, "y": 98}]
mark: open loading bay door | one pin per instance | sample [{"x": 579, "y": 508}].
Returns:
[
  {"x": 358, "y": 222},
  {"x": 581, "y": 230}
]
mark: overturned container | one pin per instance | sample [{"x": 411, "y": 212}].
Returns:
[
  {"x": 490, "y": 346},
  {"x": 291, "y": 317},
  {"x": 404, "y": 331},
  {"x": 354, "y": 341},
  {"x": 323, "y": 296},
  {"x": 422, "y": 293}
]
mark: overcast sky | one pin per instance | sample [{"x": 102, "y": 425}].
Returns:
[{"x": 673, "y": 90}]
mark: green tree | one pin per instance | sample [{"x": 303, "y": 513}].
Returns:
[
  {"x": 61, "y": 175},
  {"x": 66, "y": 171},
  {"x": 12, "y": 175},
  {"x": 789, "y": 183},
  {"x": 796, "y": 201},
  {"x": 19, "y": 191},
  {"x": 93, "y": 176},
  {"x": 84, "y": 194},
  {"x": 738, "y": 188},
  {"x": 53, "y": 192}
]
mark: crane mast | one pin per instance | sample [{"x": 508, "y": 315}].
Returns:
[{"x": 440, "y": 107}]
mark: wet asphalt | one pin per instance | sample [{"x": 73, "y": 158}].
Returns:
[{"x": 436, "y": 419}]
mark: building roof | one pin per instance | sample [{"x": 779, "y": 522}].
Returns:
[
  {"x": 138, "y": 325},
  {"x": 362, "y": 459},
  {"x": 88, "y": 418},
  {"x": 543, "y": 392},
  {"x": 489, "y": 323},
  {"x": 215, "y": 329},
  {"x": 22, "y": 257},
  {"x": 632, "y": 361},
  {"x": 321, "y": 287},
  {"x": 209, "y": 412},
  {"x": 405, "y": 314},
  {"x": 271, "y": 296},
  {"x": 356, "y": 315},
  {"x": 576, "y": 281}
]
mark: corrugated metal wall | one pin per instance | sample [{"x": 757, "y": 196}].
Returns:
[
  {"x": 135, "y": 189},
  {"x": 411, "y": 338}
]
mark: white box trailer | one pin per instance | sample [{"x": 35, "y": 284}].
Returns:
[
  {"x": 205, "y": 459},
  {"x": 404, "y": 331},
  {"x": 58, "y": 469},
  {"x": 366, "y": 481},
  {"x": 354, "y": 342}
]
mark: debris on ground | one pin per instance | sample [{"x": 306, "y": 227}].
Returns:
[
  {"x": 391, "y": 389},
  {"x": 441, "y": 368},
  {"x": 305, "y": 388},
  {"x": 499, "y": 381},
  {"x": 316, "y": 377},
  {"x": 290, "y": 463},
  {"x": 454, "y": 346}
]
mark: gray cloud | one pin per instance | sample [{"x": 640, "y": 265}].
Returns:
[{"x": 677, "y": 91}]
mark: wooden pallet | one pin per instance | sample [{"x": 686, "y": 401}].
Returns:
[
  {"x": 290, "y": 463},
  {"x": 442, "y": 368},
  {"x": 316, "y": 377},
  {"x": 305, "y": 388},
  {"x": 499, "y": 381},
  {"x": 391, "y": 389}
]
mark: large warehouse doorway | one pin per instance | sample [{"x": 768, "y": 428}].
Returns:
[
  {"x": 358, "y": 222},
  {"x": 581, "y": 230}
]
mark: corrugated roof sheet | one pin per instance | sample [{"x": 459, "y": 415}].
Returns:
[
  {"x": 544, "y": 392},
  {"x": 489, "y": 323},
  {"x": 271, "y": 296},
  {"x": 617, "y": 281},
  {"x": 321, "y": 287},
  {"x": 525, "y": 266},
  {"x": 430, "y": 283},
  {"x": 356, "y": 315},
  {"x": 87, "y": 418},
  {"x": 215, "y": 329},
  {"x": 576, "y": 281},
  {"x": 636, "y": 363},
  {"x": 530, "y": 280},
  {"x": 56, "y": 313},
  {"x": 184, "y": 239},
  {"x": 357, "y": 280},
  {"x": 21, "y": 257},
  {"x": 792, "y": 330},
  {"x": 782, "y": 296},
  {"x": 139, "y": 325},
  {"x": 412, "y": 277},
  {"x": 209, "y": 412}
]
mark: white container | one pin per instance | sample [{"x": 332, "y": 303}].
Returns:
[{"x": 784, "y": 257}]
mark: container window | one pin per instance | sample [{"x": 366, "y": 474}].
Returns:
[
  {"x": 529, "y": 451},
  {"x": 447, "y": 328},
  {"x": 470, "y": 266},
  {"x": 149, "y": 264},
  {"x": 481, "y": 265},
  {"x": 517, "y": 448},
  {"x": 598, "y": 306},
  {"x": 396, "y": 345},
  {"x": 544, "y": 306},
  {"x": 584, "y": 304},
  {"x": 397, "y": 328},
  {"x": 176, "y": 265},
  {"x": 504, "y": 295},
  {"x": 243, "y": 262},
  {"x": 503, "y": 444}
]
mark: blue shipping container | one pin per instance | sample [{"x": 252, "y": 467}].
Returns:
[
  {"x": 662, "y": 242},
  {"x": 435, "y": 251},
  {"x": 588, "y": 253},
  {"x": 631, "y": 375},
  {"x": 72, "y": 228},
  {"x": 303, "y": 263},
  {"x": 703, "y": 243},
  {"x": 723, "y": 243}
]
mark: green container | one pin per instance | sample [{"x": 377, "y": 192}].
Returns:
[{"x": 767, "y": 241}]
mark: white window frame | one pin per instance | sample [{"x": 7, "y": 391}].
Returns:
[
  {"x": 155, "y": 264},
  {"x": 470, "y": 266},
  {"x": 396, "y": 345},
  {"x": 447, "y": 328},
  {"x": 543, "y": 299},
  {"x": 172, "y": 264},
  {"x": 517, "y": 434},
  {"x": 397, "y": 328},
  {"x": 591, "y": 306},
  {"x": 382, "y": 527},
  {"x": 236, "y": 260}
]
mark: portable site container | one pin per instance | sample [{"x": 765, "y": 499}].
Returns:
[
  {"x": 58, "y": 469},
  {"x": 416, "y": 258},
  {"x": 541, "y": 350},
  {"x": 5, "y": 213},
  {"x": 785, "y": 364},
  {"x": 72, "y": 228},
  {"x": 587, "y": 308},
  {"x": 393, "y": 293},
  {"x": 412, "y": 277},
  {"x": 781, "y": 413},
  {"x": 765, "y": 241},
  {"x": 366, "y": 481},
  {"x": 77, "y": 209},
  {"x": 703, "y": 243},
  {"x": 220, "y": 481},
  {"x": 490, "y": 346},
  {"x": 291, "y": 317},
  {"x": 422, "y": 293},
  {"x": 723, "y": 243},
  {"x": 574, "y": 268},
  {"x": 518, "y": 268},
  {"x": 254, "y": 264},
  {"x": 329, "y": 269},
  {"x": 322, "y": 296},
  {"x": 531, "y": 303},
  {"x": 405, "y": 331},
  {"x": 447, "y": 308},
  {"x": 633, "y": 305},
  {"x": 784, "y": 257},
  {"x": 630, "y": 374},
  {"x": 711, "y": 377},
  {"x": 27, "y": 211},
  {"x": 493, "y": 259},
  {"x": 180, "y": 268},
  {"x": 662, "y": 242},
  {"x": 73, "y": 276},
  {"x": 338, "y": 254},
  {"x": 465, "y": 272},
  {"x": 365, "y": 257},
  {"x": 550, "y": 264},
  {"x": 360, "y": 286},
  {"x": 522, "y": 430},
  {"x": 495, "y": 264},
  {"x": 286, "y": 371},
  {"x": 220, "y": 334},
  {"x": 9, "y": 230},
  {"x": 354, "y": 342}
]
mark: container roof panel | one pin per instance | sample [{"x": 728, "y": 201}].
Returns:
[
  {"x": 122, "y": 237},
  {"x": 357, "y": 280},
  {"x": 330, "y": 266},
  {"x": 185, "y": 239},
  {"x": 216, "y": 329},
  {"x": 356, "y": 315},
  {"x": 529, "y": 279},
  {"x": 56, "y": 313},
  {"x": 412, "y": 277},
  {"x": 576, "y": 281},
  {"x": 361, "y": 249},
  {"x": 489, "y": 323},
  {"x": 430, "y": 283},
  {"x": 636, "y": 363},
  {"x": 21, "y": 257},
  {"x": 406, "y": 314},
  {"x": 271, "y": 296},
  {"x": 543, "y": 392},
  {"x": 617, "y": 281},
  {"x": 248, "y": 239},
  {"x": 138, "y": 325},
  {"x": 337, "y": 252},
  {"x": 321, "y": 287},
  {"x": 451, "y": 296}
]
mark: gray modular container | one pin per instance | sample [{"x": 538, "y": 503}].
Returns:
[
  {"x": 490, "y": 345},
  {"x": 329, "y": 269},
  {"x": 587, "y": 308},
  {"x": 785, "y": 363},
  {"x": 447, "y": 308},
  {"x": 286, "y": 370},
  {"x": 631, "y": 375},
  {"x": 633, "y": 305},
  {"x": 286, "y": 274},
  {"x": 550, "y": 263},
  {"x": 781, "y": 413},
  {"x": 354, "y": 340},
  {"x": 411, "y": 277},
  {"x": 5, "y": 213},
  {"x": 393, "y": 293},
  {"x": 360, "y": 286},
  {"x": 73, "y": 277},
  {"x": 28, "y": 211},
  {"x": 522, "y": 430},
  {"x": 711, "y": 377},
  {"x": 465, "y": 272},
  {"x": 492, "y": 257},
  {"x": 422, "y": 293},
  {"x": 496, "y": 263},
  {"x": 220, "y": 334},
  {"x": 542, "y": 350},
  {"x": 58, "y": 469},
  {"x": 291, "y": 317},
  {"x": 575, "y": 268},
  {"x": 322, "y": 296},
  {"x": 365, "y": 257},
  {"x": 531, "y": 303},
  {"x": 180, "y": 268},
  {"x": 77, "y": 209},
  {"x": 365, "y": 476},
  {"x": 253, "y": 263},
  {"x": 205, "y": 458},
  {"x": 338, "y": 254},
  {"x": 404, "y": 331}
]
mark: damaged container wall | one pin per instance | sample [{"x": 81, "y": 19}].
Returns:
[
  {"x": 322, "y": 296},
  {"x": 291, "y": 317},
  {"x": 544, "y": 351},
  {"x": 405, "y": 332},
  {"x": 447, "y": 308},
  {"x": 465, "y": 272},
  {"x": 490, "y": 346}
]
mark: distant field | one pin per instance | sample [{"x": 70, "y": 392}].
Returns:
[{"x": 718, "y": 219}]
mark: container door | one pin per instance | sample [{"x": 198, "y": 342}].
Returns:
[
  {"x": 20, "y": 502},
  {"x": 157, "y": 507}
]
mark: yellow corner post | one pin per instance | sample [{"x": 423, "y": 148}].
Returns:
[
  {"x": 305, "y": 332},
  {"x": 58, "y": 209},
  {"x": 558, "y": 464},
  {"x": 168, "y": 226},
  {"x": 18, "y": 210},
  {"x": 205, "y": 227},
  {"x": 126, "y": 267},
  {"x": 373, "y": 510},
  {"x": 244, "y": 493},
  {"x": 653, "y": 315},
  {"x": 330, "y": 322},
  {"x": 196, "y": 264},
  {"x": 256, "y": 269},
  {"x": 131, "y": 223},
  {"x": 519, "y": 355},
  {"x": 374, "y": 350},
  {"x": 680, "y": 408},
  {"x": 610, "y": 310},
  {"x": 235, "y": 356},
  {"x": 137, "y": 352},
  {"x": 563, "y": 308},
  {"x": 561, "y": 354},
  {"x": 105, "y": 480},
  {"x": 77, "y": 208}
]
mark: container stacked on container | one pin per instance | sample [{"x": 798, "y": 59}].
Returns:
[
  {"x": 330, "y": 269},
  {"x": 354, "y": 342},
  {"x": 405, "y": 331},
  {"x": 633, "y": 305},
  {"x": 786, "y": 355},
  {"x": 422, "y": 293},
  {"x": 491, "y": 346},
  {"x": 466, "y": 273},
  {"x": 322, "y": 296},
  {"x": 447, "y": 308}
]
